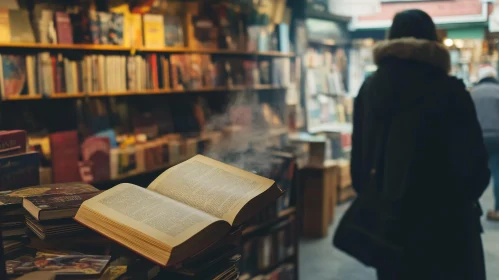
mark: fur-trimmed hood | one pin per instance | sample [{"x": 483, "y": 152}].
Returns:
[{"x": 425, "y": 51}]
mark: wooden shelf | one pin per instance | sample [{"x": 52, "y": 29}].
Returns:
[
  {"x": 113, "y": 48},
  {"x": 82, "y": 47},
  {"x": 22, "y": 97},
  {"x": 143, "y": 92}
]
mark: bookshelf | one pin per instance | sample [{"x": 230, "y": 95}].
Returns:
[{"x": 68, "y": 92}]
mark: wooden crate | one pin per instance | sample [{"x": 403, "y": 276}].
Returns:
[{"x": 320, "y": 190}]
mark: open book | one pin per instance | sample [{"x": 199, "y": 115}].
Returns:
[{"x": 183, "y": 211}]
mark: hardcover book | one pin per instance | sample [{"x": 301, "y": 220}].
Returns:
[
  {"x": 65, "y": 156},
  {"x": 136, "y": 29},
  {"x": 19, "y": 171},
  {"x": 81, "y": 27},
  {"x": 104, "y": 20},
  {"x": 70, "y": 265},
  {"x": 54, "y": 229},
  {"x": 20, "y": 27},
  {"x": 14, "y": 75},
  {"x": 64, "y": 29},
  {"x": 13, "y": 142},
  {"x": 53, "y": 207},
  {"x": 174, "y": 32},
  {"x": 94, "y": 27},
  {"x": 183, "y": 211},
  {"x": 14, "y": 198},
  {"x": 154, "y": 31},
  {"x": 116, "y": 26},
  {"x": 4, "y": 25},
  {"x": 97, "y": 150}
]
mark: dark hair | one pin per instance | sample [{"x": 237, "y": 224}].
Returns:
[{"x": 413, "y": 23}]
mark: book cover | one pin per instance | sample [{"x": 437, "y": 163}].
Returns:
[
  {"x": 65, "y": 156},
  {"x": 14, "y": 198},
  {"x": 94, "y": 27},
  {"x": 4, "y": 25},
  {"x": 174, "y": 31},
  {"x": 116, "y": 29},
  {"x": 62, "y": 264},
  {"x": 20, "y": 27},
  {"x": 153, "y": 62},
  {"x": 175, "y": 72},
  {"x": 19, "y": 171},
  {"x": 165, "y": 72},
  {"x": 63, "y": 27},
  {"x": 13, "y": 142},
  {"x": 205, "y": 33},
  {"x": 196, "y": 71},
  {"x": 31, "y": 74},
  {"x": 104, "y": 20},
  {"x": 283, "y": 34},
  {"x": 59, "y": 201},
  {"x": 81, "y": 27},
  {"x": 154, "y": 33},
  {"x": 97, "y": 150},
  {"x": 14, "y": 75},
  {"x": 136, "y": 30}
]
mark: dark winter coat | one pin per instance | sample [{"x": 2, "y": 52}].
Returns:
[{"x": 435, "y": 164}]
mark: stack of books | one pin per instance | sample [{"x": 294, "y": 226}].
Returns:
[
  {"x": 51, "y": 215},
  {"x": 18, "y": 169}
]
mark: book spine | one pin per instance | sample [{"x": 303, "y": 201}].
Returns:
[
  {"x": 123, "y": 73},
  {"x": 154, "y": 71},
  {"x": 55, "y": 75},
  {"x": 30, "y": 75}
]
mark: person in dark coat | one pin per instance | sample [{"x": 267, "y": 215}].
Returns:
[
  {"x": 486, "y": 98},
  {"x": 435, "y": 162}
]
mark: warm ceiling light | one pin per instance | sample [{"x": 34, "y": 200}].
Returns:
[{"x": 448, "y": 42}]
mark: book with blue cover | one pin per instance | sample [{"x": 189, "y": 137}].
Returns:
[
  {"x": 116, "y": 26},
  {"x": 14, "y": 75}
]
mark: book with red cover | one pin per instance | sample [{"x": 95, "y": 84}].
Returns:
[
  {"x": 64, "y": 29},
  {"x": 97, "y": 150},
  {"x": 65, "y": 156},
  {"x": 153, "y": 60},
  {"x": 19, "y": 171},
  {"x": 13, "y": 142},
  {"x": 57, "y": 88}
]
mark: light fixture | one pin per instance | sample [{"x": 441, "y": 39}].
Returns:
[{"x": 448, "y": 42}]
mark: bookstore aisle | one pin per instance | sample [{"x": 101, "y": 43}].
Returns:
[{"x": 320, "y": 261}]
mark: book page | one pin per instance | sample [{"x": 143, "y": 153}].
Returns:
[
  {"x": 211, "y": 186},
  {"x": 159, "y": 217}
]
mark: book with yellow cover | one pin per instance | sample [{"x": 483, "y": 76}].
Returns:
[
  {"x": 183, "y": 211},
  {"x": 154, "y": 31},
  {"x": 4, "y": 25},
  {"x": 136, "y": 40}
]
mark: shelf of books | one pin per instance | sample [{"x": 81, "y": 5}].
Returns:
[{"x": 108, "y": 105}]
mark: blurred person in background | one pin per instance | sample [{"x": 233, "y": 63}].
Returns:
[
  {"x": 486, "y": 98},
  {"x": 419, "y": 163}
]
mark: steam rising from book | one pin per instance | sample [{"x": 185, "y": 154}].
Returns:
[{"x": 247, "y": 126}]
